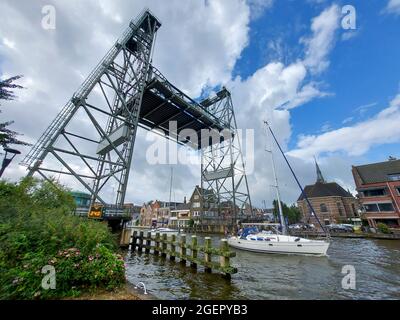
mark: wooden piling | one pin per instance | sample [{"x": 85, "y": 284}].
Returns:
[
  {"x": 193, "y": 250},
  {"x": 182, "y": 247},
  {"x": 207, "y": 254},
  {"x": 157, "y": 244},
  {"x": 148, "y": 242},
  {"x": 132, "y": 245},
  {"x": 172, "y": 254},
  {"x": 140, "y": 245},
  {"x": 164, "y": 245},
  {"x": 170, "y": 246},
  {"x": 224, "y": 260}
]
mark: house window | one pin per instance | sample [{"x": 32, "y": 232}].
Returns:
[
  {"x": 371, "y": 207},
  {"x": 339, "y": 206},
  {"x": 196, "y": 204},
  {"x": 394, "y": 177},
  {"x": 379, "y": 207},
  {"x": 196, "y": 197},
  {"x": 374, "y": 192},
  {"x": 323, "y": 207},
  {"x": 385, "y": 207}
]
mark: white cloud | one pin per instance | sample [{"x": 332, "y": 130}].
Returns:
[
  {"x": 393, "y": 6},
  {"x": 320, "y": 43},
  {"x": 365, "y": 107},
  {"x": 346, "y": 36},
  {"x": 258, "y": 7},
  {"x": 354, "y": 140},
  {"x": 197, "y": 47},
  {"x": 347, "y": 120}
]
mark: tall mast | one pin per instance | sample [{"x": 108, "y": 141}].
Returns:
[
  {"x": 283, "y": 224},
  {"x": 170, "y": 187},
  {"x": 297, "y": 180}
]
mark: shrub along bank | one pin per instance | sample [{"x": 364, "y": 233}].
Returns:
[{"x": 38, "y": 232}]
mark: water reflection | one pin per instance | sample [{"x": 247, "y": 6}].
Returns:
[{"x": 262, "y": 276}]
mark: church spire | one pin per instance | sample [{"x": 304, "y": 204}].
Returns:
[{"x": 320, "y": 178}]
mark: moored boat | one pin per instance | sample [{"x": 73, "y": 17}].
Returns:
[
  {"x": 267, "y": 242},
  {"x": 164, "y": 230},
  {"x": 251, "y": 239}
]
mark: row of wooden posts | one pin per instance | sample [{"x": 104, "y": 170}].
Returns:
[{"x": 165, "y": 246}]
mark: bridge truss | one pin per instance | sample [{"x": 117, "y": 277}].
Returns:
[{"x": 93, "y": 136}]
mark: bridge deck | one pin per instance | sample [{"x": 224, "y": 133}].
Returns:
[{"x": 163, "y": 103}]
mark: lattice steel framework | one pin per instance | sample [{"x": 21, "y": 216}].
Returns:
[
  {"x": 93, "y": 136},
  {"x": 223, "y": 176},
  {"x": 108, "y": 103}
]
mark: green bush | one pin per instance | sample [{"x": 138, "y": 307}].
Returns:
[
  {"x": 383, "y": 228},
  {"x": 37, "y": 229}
]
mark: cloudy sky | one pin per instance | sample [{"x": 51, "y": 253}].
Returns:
[{"x": 329, "y": 92}]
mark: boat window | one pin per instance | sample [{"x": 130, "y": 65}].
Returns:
[{"x": 260, "y": 239}]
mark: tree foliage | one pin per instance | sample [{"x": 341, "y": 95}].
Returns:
[
  {"x": 8, "y": 136},
  {"x": 292, "y": 214},
  {"x": 37, "y": 229}
]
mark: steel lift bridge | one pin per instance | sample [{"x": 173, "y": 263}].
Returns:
[{"x": 93, "y": 136}]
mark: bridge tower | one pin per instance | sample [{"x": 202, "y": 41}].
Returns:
[
  {"x": 107, "y": 105},
  {"x": 223, "y": 176}
]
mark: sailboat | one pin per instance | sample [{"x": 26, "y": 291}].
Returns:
[{"x": 274, "y": 240}]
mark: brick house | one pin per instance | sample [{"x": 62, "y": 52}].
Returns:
[
  {"x": 332, "y": 204},
  {"x": 378, "y": 187},
  {"x": 202, "y": 203},
  {"x": 149, "y": 213},
  {"x": 156, "y": 213}
]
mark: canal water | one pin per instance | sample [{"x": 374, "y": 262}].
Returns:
[{"x": 263, "y": 276}]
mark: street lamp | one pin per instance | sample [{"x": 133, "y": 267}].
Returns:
[{"x": 7, "y": 161}]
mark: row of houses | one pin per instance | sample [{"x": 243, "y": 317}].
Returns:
[
  {"x": 200, "y": 210},
  {"x": 377, "y": 199}
]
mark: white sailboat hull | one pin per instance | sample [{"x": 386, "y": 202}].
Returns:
[{"x": 283, "y": 246}]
